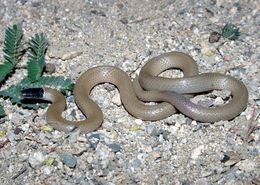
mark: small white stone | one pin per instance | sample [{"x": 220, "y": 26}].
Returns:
[
  {"x": 25, "y": 126},
  {"x": 70, "y": 55},
  {"x": 233, "y": 10},
  {"x": 36, "y": 159},
  {"x": 174, "y": 130},
  {"x": 64, "y": 53},
  {"x": 219, "y": 2},
  {"x": 214, "y": 19},
  {"x": 10, "y": 116},
  {"x": 82, "y": 139},
  {"x": 60, "y": 165},
  {"x": 218, "y": 101},
  {"x": 155, "y": 155},
  {"x": 138, "y": 121},
  {"x": 11, "y": 168},
  {"x": 47, "y": 170},
  {"x": 90, "y": 159},
  {"x": 148, "y": 149},
  {"x": 197, "y": 152},
  {"x": 178, "y": 125},
  {"x": 196, "y": 31},
  {"x": 116, "y": 99}
]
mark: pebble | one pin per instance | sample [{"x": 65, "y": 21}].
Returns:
[
  {"x": 68, "y": 160},
  {"x": 174, "y": 130},
  {"x": 64, "y": 53},
  {"x": 155, "y": 155},
  {"x": 151, "y": 130},
  {"x": 214, "y": 37},
  {"x": 136, "y": 163},
  {"x": 201, "y": 100},
  {"x": 218, "y": 101},
  {"x": 114, "y": 147},
  {"x": 82, "y": 139},
  {"x": 138, "y": 121},
  {"x": 17, "y": 130},
  {"x": 164, "y": 134},
  {"x": 222, "y": 94},
  {"x": 98, "y": 12},
  {"x": 103, "y": 154},
  {"x": 197, "y": 152},
  {"x": 233, "y": 10},
  {"x": 227, "y": 58},
  {"x": 47, "y": 170},
  {"x": 10, "y": 136},
  {"x": 50, "y": 68},
  {"x": 36, "y": 159},
  {"x": 116, "y": 99}
]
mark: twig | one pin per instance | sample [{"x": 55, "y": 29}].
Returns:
[
  {"x": 32, "y": 139},
  {"x": 258, "y": 114},
  {"x": 4, "y": 143},
  {"x": 140, "y": 20},
  {"x": 222, "y": 43},
  {"x": 234, "y": 128},
  {"x": 217, "y": 48},
  {"x": 19, "y": 173},
  {"x": 219, "y": 51},
  {"x": 250, "y": 126},
  {"x": 233, "y": 68}
]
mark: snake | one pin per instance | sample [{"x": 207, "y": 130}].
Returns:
[{"x": 170, "y": 94}]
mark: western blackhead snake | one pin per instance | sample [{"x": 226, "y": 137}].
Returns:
[{"x": 156, "y": 88}]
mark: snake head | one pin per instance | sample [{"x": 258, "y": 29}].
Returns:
[{"x": 32, "y": 93}]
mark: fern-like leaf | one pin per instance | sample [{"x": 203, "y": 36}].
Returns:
[
  {"x": 230, "y": 31},
  {"x": 58, "y": 83},
  {"x": 36, "y": 52},
  {"x": 13, "y": 50}
]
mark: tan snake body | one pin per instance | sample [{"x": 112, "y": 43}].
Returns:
[{"x": 157, "y": 89}]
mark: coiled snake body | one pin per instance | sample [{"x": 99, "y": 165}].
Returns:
[{"x": 159, "y": 89}]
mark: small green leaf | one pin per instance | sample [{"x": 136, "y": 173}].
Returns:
[
  {"x": 2, "y": 133},
  {"x": 50, "y": 161},
  {"x": 135, "y": 128},
  {"x": 47, "y": 128},
  {"x": 36, "y": 51},
  {"x": 12, "y": 50},
  {"x": 230, "y": 31},
  {"x": 5, "y": 68}
]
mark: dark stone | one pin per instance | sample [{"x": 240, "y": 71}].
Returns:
[
  {"x": 69, "y": 160},
  {"x": 115, "y": 147}
]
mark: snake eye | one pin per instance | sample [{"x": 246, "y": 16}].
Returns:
[{"x": 36, "y": 93}]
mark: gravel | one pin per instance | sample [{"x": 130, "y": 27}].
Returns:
[{"x": 83, "y": 34}]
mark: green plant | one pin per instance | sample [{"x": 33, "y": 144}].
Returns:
[
  {"x": 13, "y": 50},
  {"x": 230, "y": 31},
  {"x": 36, "y": 49}
]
